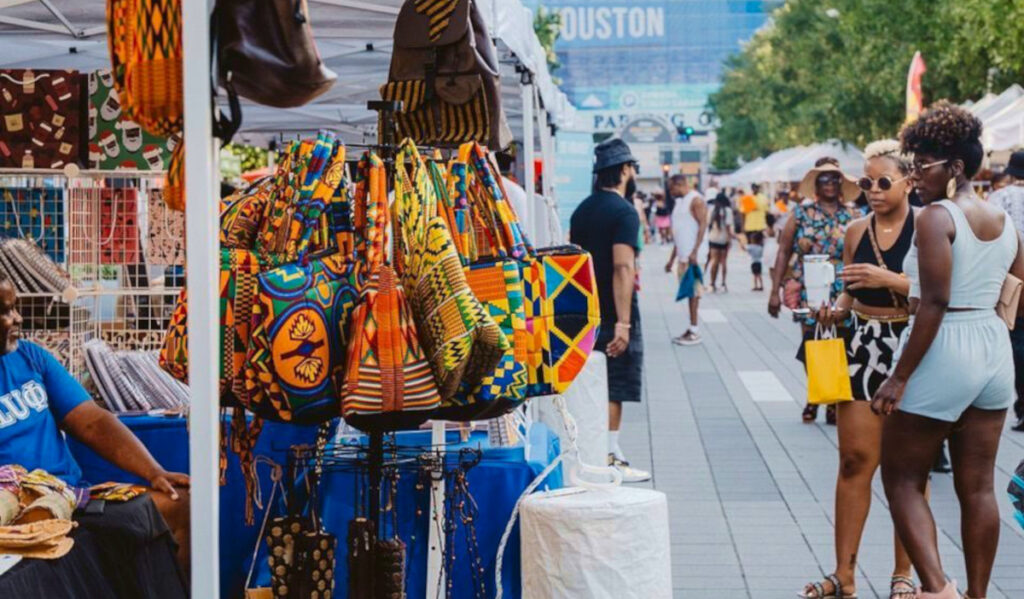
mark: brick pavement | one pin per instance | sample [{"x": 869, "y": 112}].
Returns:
[{"x": 750, "y": 486}]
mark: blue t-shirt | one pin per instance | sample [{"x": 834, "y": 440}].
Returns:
[{"x": 36, "y": 394}]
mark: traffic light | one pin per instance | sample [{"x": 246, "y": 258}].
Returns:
[{"x": 685, "y": 133}]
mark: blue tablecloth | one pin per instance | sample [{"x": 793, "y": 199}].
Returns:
[
  {"x": 167, "y": 440},
  {"x": 495, "y": 484}
]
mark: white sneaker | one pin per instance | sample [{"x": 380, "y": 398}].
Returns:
[
  {"x": 688, "y": 338},
  {"x": 629, "y": 474}
]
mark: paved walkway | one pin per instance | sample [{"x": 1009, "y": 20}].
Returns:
[{"x": 750, "y": 487}]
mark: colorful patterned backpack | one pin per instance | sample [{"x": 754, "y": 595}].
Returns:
[
  {"x": 389, "y": 384},
  {"x": 462, "y": 341}
]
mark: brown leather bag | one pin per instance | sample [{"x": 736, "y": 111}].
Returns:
[
  {"x": 266, "y": 51},
  {"x": 444, "y": 70}
]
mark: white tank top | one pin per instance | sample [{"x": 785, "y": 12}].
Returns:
[
  {"x": 979, "y": 267},
  {"x": 685, "y": 227}
]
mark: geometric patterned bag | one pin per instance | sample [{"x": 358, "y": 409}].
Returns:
[
  {"x": 462, "y": 341},
  {"x": 563, "y": 317},
  {"x": 499, "y": 249},
  {"x": 389, "y": 383}
]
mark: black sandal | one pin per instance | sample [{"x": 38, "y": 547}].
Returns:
[
  {"x": 830, "y": 415},
  {"x": 810, "y": 413}
]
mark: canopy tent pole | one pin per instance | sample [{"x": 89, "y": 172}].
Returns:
[
  {"x": 530, "y": 218},
  {"x": 202, "y": 267}
]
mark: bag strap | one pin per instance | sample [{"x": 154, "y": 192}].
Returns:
[
  {"x": 493, "y": 200},
  {"x": 323, "y": 188},
  {"x": 371, "y": 209},
  {"x": 897, "y": 302}
]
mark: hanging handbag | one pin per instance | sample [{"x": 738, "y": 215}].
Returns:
[
  {"x": 266, "y": 50},
  {"x": 144, "y": 40},
  {"x": 165, "y": 239},
  {"x": 491, "y": 239},
  {"x": 1009, "y": 298},
  {"x": 463, "y": 343},
  {"x": 445, "y": 72},
  {"x": 563, "y": 317},
  {"x": 295, "y": 361},
  {"x": 828, "y": 371},
  {"x": 389, "y": 384}
]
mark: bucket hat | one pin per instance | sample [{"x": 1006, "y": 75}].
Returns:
[{"x": 612, "y": 152}]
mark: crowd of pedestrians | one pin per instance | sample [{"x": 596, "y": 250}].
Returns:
[{"x": 927, "y": 274}]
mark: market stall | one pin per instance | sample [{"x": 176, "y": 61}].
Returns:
[{"x": 123, "y": 300}]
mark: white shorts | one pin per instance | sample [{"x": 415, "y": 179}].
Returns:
[{"x": 969, "y": 364}]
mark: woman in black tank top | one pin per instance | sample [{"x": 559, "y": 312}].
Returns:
[{"x": 875, "y": 299}]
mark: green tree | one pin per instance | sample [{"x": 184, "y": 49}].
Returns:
[
  {"x": 837, "y": 70},
  {"x": 547, "y": 24}
]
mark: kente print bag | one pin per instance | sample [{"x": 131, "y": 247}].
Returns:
[
  {"x": 493, "y": 275},
  {"x": 561, "y": 307},
  {"x": 462, "y": 342},
  {"x": 296, "y": 353},
  {"x": 388, "y": 382}
]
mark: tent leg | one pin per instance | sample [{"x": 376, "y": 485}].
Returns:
[{"x": 201, "y": 176}]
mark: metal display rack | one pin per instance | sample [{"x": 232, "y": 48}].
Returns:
[{"x": 102, "y": 221}]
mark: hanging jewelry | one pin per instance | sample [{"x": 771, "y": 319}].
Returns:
[{"x": 951, "y": 188}]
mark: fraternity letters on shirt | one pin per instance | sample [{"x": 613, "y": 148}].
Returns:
[{"x": 17, "y": 405}]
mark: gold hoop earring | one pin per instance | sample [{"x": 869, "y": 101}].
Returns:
[{"x": 951, "y": 188}]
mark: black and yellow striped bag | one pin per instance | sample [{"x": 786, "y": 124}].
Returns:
[{"x": 444, "y": 71}]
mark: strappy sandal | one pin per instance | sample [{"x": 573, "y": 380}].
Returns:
[
  {"x": 816, "y": 590},
  {"x": 902, "y": 587},
  {"x": 810, "y": 413},
  {"x": 830, "y": 415}
]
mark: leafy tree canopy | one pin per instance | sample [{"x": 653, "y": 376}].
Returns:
[{"x": 838, "y": 69}]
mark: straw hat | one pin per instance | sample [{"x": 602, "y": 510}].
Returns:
[{"x": 849, "y": 188}]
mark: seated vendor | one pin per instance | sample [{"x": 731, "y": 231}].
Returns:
[{"x": 38, "y": 398}]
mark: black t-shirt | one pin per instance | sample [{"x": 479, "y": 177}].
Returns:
[{"x": 601, "y": 221}]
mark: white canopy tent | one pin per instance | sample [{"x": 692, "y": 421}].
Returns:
[
  {"x": 792, "y": 164},
  {"x": 1002, "y": 118},
  {"x": 354, "y": 39},
  {"x": 851, "y": 161}
]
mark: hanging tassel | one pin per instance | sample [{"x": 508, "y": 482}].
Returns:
[
  {"x": 389, "y": 568},
  {"x": 362, "y": 536}
]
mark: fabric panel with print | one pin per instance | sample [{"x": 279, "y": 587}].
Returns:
[{"x": 41, "y": 114}]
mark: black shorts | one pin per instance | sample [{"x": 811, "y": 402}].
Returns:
[
  {"x": 718, "y": 246},
  {"x": 755, "y": 237},
  {"x": 626, "y": 372}
]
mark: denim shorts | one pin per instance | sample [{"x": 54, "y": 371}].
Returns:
[{"x": 969, "y": 364}]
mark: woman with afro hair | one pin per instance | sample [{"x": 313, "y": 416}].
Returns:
[{"x": 954, "y": 375}]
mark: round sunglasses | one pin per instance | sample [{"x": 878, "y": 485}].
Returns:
[{"x": 884, "y": 183}]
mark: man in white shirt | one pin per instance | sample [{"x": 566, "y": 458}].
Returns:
[
  {"x": 1011, "y": 199},
  {"x": 689, "y": 234}
]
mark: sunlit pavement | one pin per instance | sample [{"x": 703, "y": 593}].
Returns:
[{"x": 750, "y": 486}]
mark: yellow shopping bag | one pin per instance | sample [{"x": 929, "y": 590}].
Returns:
[{"x": 828, "y": 373}]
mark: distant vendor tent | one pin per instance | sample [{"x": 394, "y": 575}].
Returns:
[{"x": 792, "y": 164}]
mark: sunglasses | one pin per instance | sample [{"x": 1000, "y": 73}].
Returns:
[
  {"x": 919, "y": 169},
  {"x": 826, "y": 179},
  {"x": 884, "y": 183}
]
